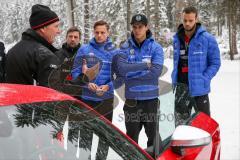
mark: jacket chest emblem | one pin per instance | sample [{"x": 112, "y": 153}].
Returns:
[
  {"x": 132, "y": 52},
  {"x": 91, "y": 54},
  {"x": 175, "y": 45},
  {"x": 109, "y": 47},
  {"x": 66, "y": 59}
]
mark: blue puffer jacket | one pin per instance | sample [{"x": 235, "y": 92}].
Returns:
[
  {"x": 203, "y": 61},
  {"x": 93, "y": 53},
  {"x": 141, "y": 81}
]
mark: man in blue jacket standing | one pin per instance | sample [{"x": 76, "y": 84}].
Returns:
[
  {"x": 98, "y": 92},
  {"x": 196, "y": 62},
  {"x": 139, "y": 65}
]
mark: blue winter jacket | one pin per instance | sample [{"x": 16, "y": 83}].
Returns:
[
  {"x": 203, "y": 61},
  {"x": 94, "y": 53},
  {"x": 129, "y": 65}
]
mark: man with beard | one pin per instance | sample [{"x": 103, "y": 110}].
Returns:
[
  {"x": 66, "y": 56},
  {"x": 32, "y": 59},
  {"x": 196, "y": 62},
  {"x": 69, "y": 48}
]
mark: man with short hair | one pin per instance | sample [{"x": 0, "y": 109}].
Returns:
[
  {"x": 61, "y": 78},
  {"x": 196, "y": 62},
  {"x": 98, "y": 92},
  {"x": 139, "y": 65},
  {"x": 70, "y": 47},
  {"x": 33, "y": 57}
]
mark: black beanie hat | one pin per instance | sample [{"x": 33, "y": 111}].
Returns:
[{"x": 42, "y": 16}]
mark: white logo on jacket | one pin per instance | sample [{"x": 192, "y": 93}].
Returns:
[
  {"x": 54, "y": 66},
  {"x": 91, "y": 54},
  {"x": 198, "y": 52}
]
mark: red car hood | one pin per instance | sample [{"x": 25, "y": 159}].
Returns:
[{"x": 11, "y": 94}]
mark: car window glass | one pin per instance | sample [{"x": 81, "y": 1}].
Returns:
[
  {"x": 60, "y": 130},
  {"x": 167, "y": 117}
]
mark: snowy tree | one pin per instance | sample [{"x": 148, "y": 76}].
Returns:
[
  {"x": 128, "y": 15},
  {"x": 86, "y": 20},
  {"x": 170, "y": 16},
  {"x": 159, "y": 19},
  {"x": 70, "y": 12},
  {"x": 15, "y": 23},
  {"x": 232, "y": 26},
  {"x": 163, "y": 15}
]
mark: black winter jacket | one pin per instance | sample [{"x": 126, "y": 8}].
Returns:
[
  {"x": 66, "y": 56},
  {"x": 61, "y": 79},
  {"x": 67, "y": 52},
  {"x": 31, "y": 58},
  {"x": 2, "y": 62}
]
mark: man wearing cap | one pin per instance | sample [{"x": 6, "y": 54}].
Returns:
[
  {"x": 139, "y": 65},
  {"x": 33, "y": 57}
]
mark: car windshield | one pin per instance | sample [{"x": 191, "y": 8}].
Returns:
[
  {"x": 167, "y": 117},
  {"x": 59, "y": 130}
]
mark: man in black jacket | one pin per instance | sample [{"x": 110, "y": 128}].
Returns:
[
  {"x": 71, "y": 46},
  {"x": 68, "y": 51},
  {"x": 2, "y": 62},
  {"x": 66, "y": 55},
  {"x": 33, "y": 57}
]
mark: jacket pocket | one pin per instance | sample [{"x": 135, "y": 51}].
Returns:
[
  {"x": 197, "y": 83},
  {"x": 206, "y": 81}
]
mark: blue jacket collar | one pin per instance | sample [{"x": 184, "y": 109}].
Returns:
[
  {"x": 200, "y": 30},
  {"x": 100, "y": 45}
]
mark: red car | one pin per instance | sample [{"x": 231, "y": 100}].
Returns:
[{"x": 41, "y": 123}]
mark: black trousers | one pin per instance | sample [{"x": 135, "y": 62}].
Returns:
[
  {"x": 184, "y": 104},
  {"x": 105, "y": 108},
  {"x": 139, "y": 113}
]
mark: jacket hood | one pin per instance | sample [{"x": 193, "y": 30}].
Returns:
[
  {"x": 199, "y": 29},
  {"x": 106, "y": 46},
  {"x": 70, "y": 49},
  {"x": 31, "y": 34},
  {"x": 99, "y": 45}
]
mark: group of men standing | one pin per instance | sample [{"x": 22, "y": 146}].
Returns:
[{"x": 99, "y": 67}]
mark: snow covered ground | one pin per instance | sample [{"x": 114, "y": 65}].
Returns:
[
  {"x": 224, "y": 100},
  {"x": 225, "y": 103}
]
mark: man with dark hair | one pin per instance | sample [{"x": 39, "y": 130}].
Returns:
[
  {"x": 196, "y": 62},
  {"x": 98, "y": 93},
  {"x": 139, "y": 65},
  {"x": 61, "y": 78},
  {"x": 70, "y": 47},
  {"x": 2, "y": 62},
  {"x": 33, "y": 57}
]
